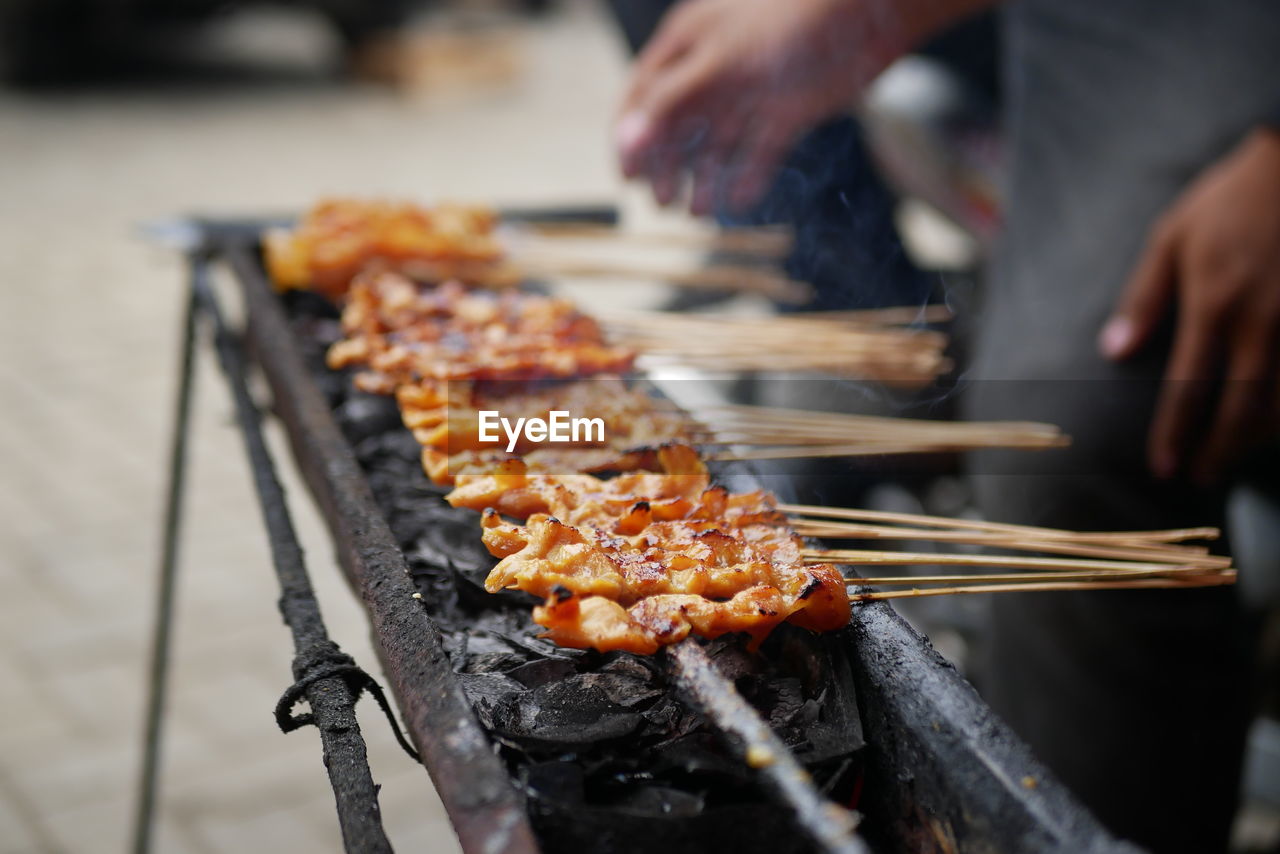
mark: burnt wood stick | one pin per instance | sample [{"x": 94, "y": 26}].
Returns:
[{"x": 829, "y": 826}]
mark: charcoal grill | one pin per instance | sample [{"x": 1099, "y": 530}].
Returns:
[{"x": 888, "y": 726}]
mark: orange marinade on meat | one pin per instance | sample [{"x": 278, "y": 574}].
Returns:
[
  {"x": 643, "y": 559},
  {"x": 633, "y": 562},
  {"x": 446, "y": 416},
  {"x": 594, "y": 622},
  {"x": 340, "y": 238},
  {"x": 445, "y": 419},
  {"x": 401, "y": 332},
  {"x": 700, "y": 557},
  {"x": 513, "y": 490}
]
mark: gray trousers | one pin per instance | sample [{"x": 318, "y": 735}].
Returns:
[{"x": 1137, "y": 700}]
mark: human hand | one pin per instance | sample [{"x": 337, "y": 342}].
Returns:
[
  {"x": 1215, "y": 258},
  {"x": 726, "y": 88}
]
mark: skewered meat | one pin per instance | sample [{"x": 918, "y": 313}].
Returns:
[
  {"x": 603, "y": 624},
  {"x": 631, "y": 562},
  {"x": 702, "y": 557},
  {"x": 446, "y": 416},
  {"x": 340, "y": 238},
  {"x": 641, "y": 560},
  {"x": 444, "y": 468},
  {"x": 513, "y": 490},
  {"x": 402, "y": 332}
]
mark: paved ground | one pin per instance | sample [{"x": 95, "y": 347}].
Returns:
[{"x": 88, "y": 338}]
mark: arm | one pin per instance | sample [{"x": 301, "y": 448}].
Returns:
[{"x": 726, "y": 87}]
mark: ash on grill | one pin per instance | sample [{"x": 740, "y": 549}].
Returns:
[{"x": 609, "y": 759}]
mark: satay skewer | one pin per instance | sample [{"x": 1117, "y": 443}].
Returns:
[
  {"x": 1215, "y": 580},
  {"x": 870, "y": 557},
  {"x": 763, "y": 241},
  {"x": 1182, "y": 574},
  {"x": 749, "y": 413},
  {"x": 725, "y": 277},
  {"x": 857, "y": 515},
  {"x": 1170, "y": 553},
  {"x": 819, "y": 451}
]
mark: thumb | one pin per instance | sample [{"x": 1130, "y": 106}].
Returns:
[{"x": 1145, "y": 299}]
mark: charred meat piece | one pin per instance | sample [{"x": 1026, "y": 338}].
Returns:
[
  {"x": 399, "y": 332},
  {"x": 340, "y": 238}
]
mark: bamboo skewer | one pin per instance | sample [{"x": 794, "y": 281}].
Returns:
[
  {"x": 791, "y": 434},
  {"x": 1133, "y": 559},
  {"x": 893, "y": 316},
  {"x": 823, "y": 451},
  {"x": 881, "y": 428},
  {"x": 869, "y": 557},
  {"x": 765, "y": 241},
  {"x": 960, "y": 532},
  {"x": 805, "y": 417},
  {"x": 1175, "y": 554},
  {"x": 1165, "y": 536},
  {"x": 1181, "y": 573},
  {"x": 813, "y": 342},
  {"x": 919, "y": 371},
  {"x": 772, "y": 284},
  {"x": 1137, "y": 583}
]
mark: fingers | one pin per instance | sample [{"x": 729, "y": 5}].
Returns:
[
  {"x": 673, "y": 39},
  {"x": 1146, "y": 297},
  {"x": 756, "y": 163},
  {"x": 677, "y": 114},
  {"x": 679, "y": 29},
  {"x": 1242, "y": 408},
  {"x": 670, "y": 48},
  {"x": 708, "y": 177},
  {"x": 1249, "y": 408},
  {"x": 727, "y": 169},
  {"x": 1184, "y": 394}
]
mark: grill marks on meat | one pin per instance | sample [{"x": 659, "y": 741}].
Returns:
[
  {"x": 637, "y": 593},
  {"x": 603, "y": 624},
  {"x": 445, "y": 419},
  {"x": 449, "y": 352},
  {"x": 643, "y": 559},
  {"x": 340, "y": 238},
  {"x": 400, "y": 332},
  {"x": 512, "y": 489},
  {"x": 632, "y": 562}
]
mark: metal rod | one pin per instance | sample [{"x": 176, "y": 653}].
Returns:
[
  {"x": 331, "y": 699},
  {"x": 158, "y": 671},
  {"x": 486, "y": 810},
  {"x": 830, "y": 827}
]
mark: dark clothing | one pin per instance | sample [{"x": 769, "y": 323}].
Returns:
[{"x": 1137, "y": 700}]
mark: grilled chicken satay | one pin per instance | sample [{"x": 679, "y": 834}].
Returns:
[
  {"x": 446, "y": 416},
  {"x": 632, "y": 562},
  {"x": 513, "y": 490},
  {"x": 401, "y": 332},
  {"x": 444, "y": 468},
  {"x": 643, "y": 559},
  {"x": 340, "y": 238},
  {"x": 594, "y": 622},
  {"x": 702, "y": 557}
]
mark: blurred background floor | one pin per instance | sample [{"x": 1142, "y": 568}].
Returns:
[{"x": 88, "y": 344}]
